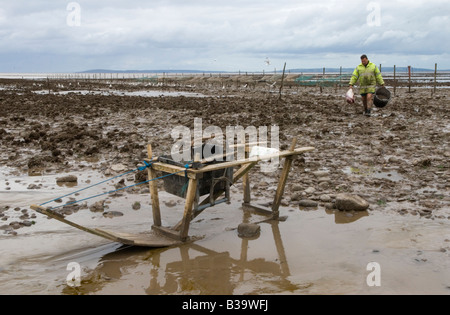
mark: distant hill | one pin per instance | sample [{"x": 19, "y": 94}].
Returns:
[
  {"x": 148, "y": 71},
  {"x": 298, "y": 70}
]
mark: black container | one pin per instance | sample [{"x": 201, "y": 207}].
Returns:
[
  {"x": 177, "y": 185},
  {"x": 382, "y": 97}
]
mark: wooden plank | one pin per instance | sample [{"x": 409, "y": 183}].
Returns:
[
  {"x": 167, "y": 232},
  {"x": 246, "y": 188},
  {"x": 282, "y": 182},
  {"x": 246, "y": 184},
  {"x": 256, "y": 159},
  {"x": 61, "y": 218},
  {"x": 168, "y": 168},
  {"x": 242, "y": 171},
  {"x": 149, "y": 239},
  {"x": 259, "y": 210},
  {"x": 144, "y": 239},
  {"x": 190, "y": 199},
  {"x": 153, "y": 186}
]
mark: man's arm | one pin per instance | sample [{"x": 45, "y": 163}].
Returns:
[{"x": 354, "y": 78}]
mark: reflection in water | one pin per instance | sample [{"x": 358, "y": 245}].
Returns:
[
  {"x": 344, "y": 217},
  {"x": 195, "y": 269}
]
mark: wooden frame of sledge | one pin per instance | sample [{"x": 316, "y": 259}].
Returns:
[{"x": 178, "y": 234}]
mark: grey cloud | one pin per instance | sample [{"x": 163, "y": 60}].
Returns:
[{"x": 152, "y": 34}]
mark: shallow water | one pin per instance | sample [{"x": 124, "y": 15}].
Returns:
[
  {"x": 312, "y": 252},
  {"x": 150, "y": 93}
]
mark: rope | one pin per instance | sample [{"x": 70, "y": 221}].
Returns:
[
  {"x": 141, "y": 168},
  {"x": 116, "y": 190}
]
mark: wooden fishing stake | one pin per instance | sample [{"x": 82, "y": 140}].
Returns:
[
  {"x": 282, "y": 182},
  {"x": 154, "y": 190},
  {"x": 282, "y": 81},
  {"x": 435, "y": 78},
  {"x": 395, "y": 80},
  {"x": 190, "y": 198}
]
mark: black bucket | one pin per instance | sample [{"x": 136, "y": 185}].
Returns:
[
  {"x": 177, "y": 185},
  {"x": 382, "y": 97}
]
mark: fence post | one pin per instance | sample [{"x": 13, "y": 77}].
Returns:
[
  {"x": 395, "y": 81},
  {"x": 435, "y": 78},
  {"x": 282, "y": 80},
  {"x": 409, "y": 74}
]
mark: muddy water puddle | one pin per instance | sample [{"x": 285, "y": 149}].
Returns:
[
  {"x": 391, "y": 175},
  {"x": 311, "y": 252},
  {"x": 148, "y": 93}
]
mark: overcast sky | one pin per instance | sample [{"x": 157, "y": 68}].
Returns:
[{"x": 70, "y": 36}]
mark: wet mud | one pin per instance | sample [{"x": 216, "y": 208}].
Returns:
[{"x": 397, "y": 160}]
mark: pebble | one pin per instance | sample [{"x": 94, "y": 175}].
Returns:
[
  {"x": 308, "y": 203},
  {"x": 99, "y": 206},
  {"x": 67, "y": 179},
  {"x": 112, "y": 214},
  {"x": 136, "y": 205},
  {"x": 170, "y": 203}
]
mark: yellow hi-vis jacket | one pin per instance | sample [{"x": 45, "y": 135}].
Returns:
[{"x": 369, "y": 76}]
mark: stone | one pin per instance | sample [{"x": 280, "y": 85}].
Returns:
[
  {"x": 321, "y": 173},
  {"x": 170, "y": 203},
  {"x": 136, "y": 205},
  {"x": 99, "y": 206},
  {"x": 112, "y": 214},
  {"x": 295, "y": 196},
  {"x": 118, "y": 167},
  {"x": 248, "y": 230},
  {"x": 308, "y": 203},
  {"x": 67, "y": 179},
  {"x": 348, "y": 202}
]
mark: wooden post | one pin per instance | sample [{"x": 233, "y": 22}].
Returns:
[
  {"x": 246, "y": 186},
  {"x": 282, "y": 182},
  {"x": 435, "y": 78},
  {"x": 282, "y": 80},
  {"x": 395, "y": 81},
  {"x": 154, "y": 191},
  {"x": 409, "y": 75},
  {"x": 190, "y": 199}
]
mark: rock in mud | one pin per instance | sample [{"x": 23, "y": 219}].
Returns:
[
  {"x": 136, "y": 205},
  {"x": 67, "y": 179},
  {"x": 348, "y": 202},
  {"x": 112, "y": 214},
  {"x": 99, "y": 206},
  {"x": 308, "y": 203},
  {"x": 118, "y": 167},
  {"x": 248, "y": 230}
]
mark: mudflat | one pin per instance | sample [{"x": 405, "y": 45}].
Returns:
[{"x": 88, "y": 131}]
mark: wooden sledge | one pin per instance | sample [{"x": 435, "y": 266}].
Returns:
[
  {"x": 143, "y": 239},
  {"x": 161, "y": 236}
]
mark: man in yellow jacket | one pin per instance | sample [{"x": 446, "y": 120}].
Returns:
[{"x": 369, "y": 76}]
